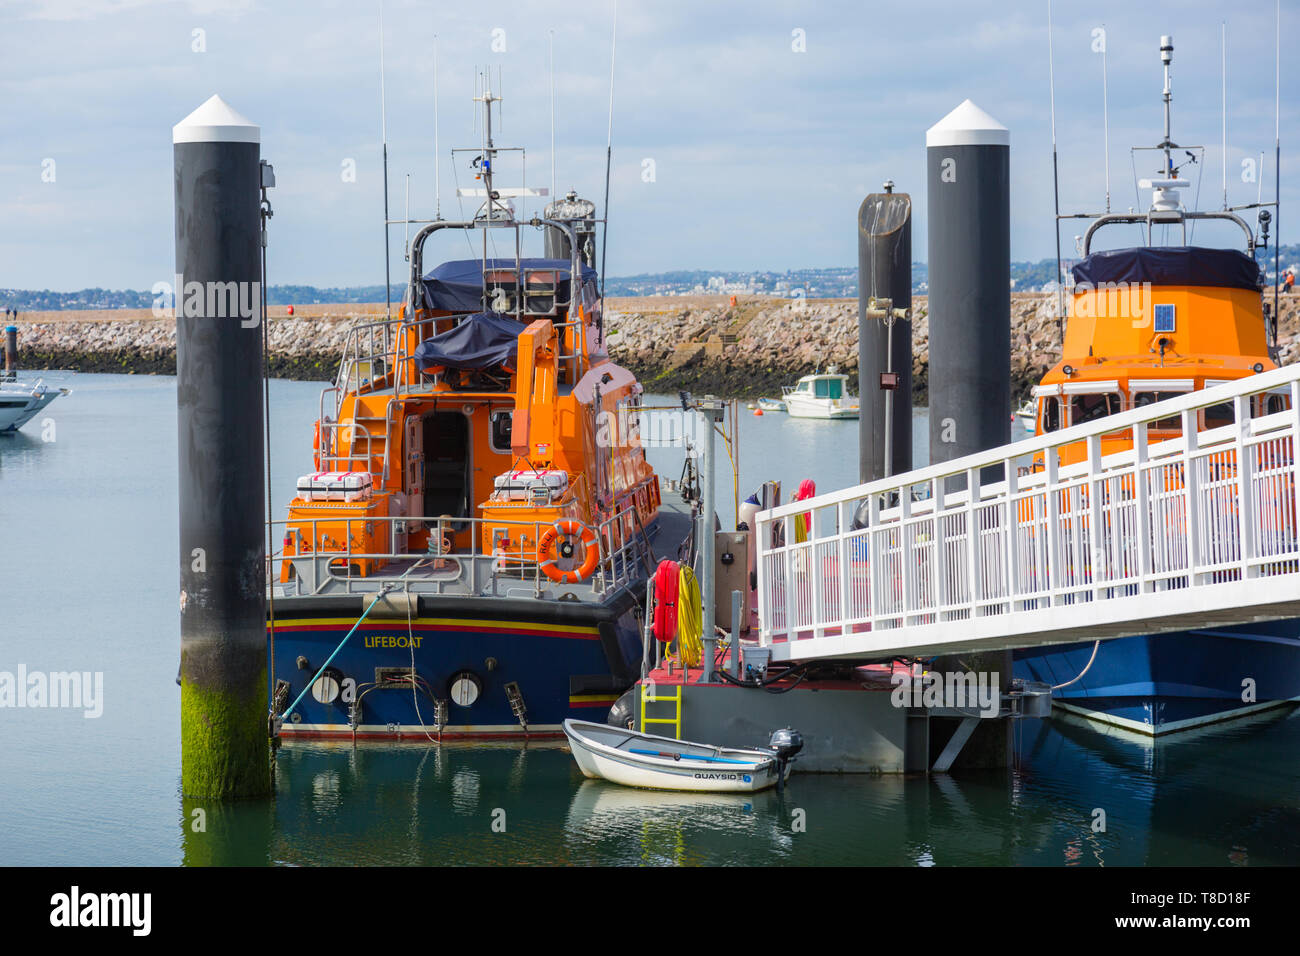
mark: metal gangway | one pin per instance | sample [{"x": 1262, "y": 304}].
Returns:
[{"x": 1011, "y": 548}]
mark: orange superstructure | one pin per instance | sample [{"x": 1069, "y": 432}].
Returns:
[{"x": 1147, "y": 324}]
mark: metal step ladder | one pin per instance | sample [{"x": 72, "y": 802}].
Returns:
[{"x": 674, "y": 699}]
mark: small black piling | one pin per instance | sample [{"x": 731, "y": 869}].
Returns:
[
  {"x": 224, "y": 745},
  {"x": 968, "y": 193},
  {"x": 884, "y": 353}
]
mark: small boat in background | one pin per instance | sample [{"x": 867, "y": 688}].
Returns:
[
  {"x": 771, "y": 404},
  {"x": 1027, "y": 414},
  {"x": 821, "y": 395},
  {"x": 20, "y": 401},
  {"x": 633, "y": 759}
]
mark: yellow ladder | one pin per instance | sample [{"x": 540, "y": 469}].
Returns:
[{"x": 675, "y": 699}]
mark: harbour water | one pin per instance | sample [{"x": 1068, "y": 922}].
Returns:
[{"x": 89, "y": 566}]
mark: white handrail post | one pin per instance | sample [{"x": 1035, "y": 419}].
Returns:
[
  {"x": 942, "y": 586},
  {"x": 874, "y": 566},
  {"x": 1094, "y": 487},
  {"x": 815, "y": 579},
  {"x": 844, "y": 563},
  {"x": 1052, "y": 518},
  {"x": 973, "y": 538},
  {"x": 1142, "y": 498},
  {"x": 1245, "y": 499},
  {"x": 908, "y": 566},
  {"x": 1011, "y": 530},
  {"x": 1192, "y": 488},
  {"x": 1293, "y": 496},
  {"x": 787, "y": 549}
]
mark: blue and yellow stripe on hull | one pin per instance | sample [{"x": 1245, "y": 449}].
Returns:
[{"x": 561, "y": 668}]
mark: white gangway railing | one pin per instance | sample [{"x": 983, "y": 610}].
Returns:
[{"x": 1010, "y": 548}]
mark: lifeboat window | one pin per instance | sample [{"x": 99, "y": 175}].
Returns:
[
  {"x": 1275, "y": 403},
  {"x": 823, "y": 388},
  {"x": 1216, "y": 416},
  {"x": 1143, "y": 399},
  {"x": 502, "y": 424},
  {"x": 1051, "y": 414},
  {"x": 1090, "y": 407}
]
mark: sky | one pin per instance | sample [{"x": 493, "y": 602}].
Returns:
[{"x": 745, "y": 132}]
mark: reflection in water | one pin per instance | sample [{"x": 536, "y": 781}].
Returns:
[
  {"x": 107, "y": 793},
  {"x": 1229, "y": 796}
]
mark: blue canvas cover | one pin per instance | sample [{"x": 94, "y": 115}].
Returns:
[
  {"x": 480, "y": 341},
  {"x": 1171, "y": 265},
  {"x": 457, "y": 286}
]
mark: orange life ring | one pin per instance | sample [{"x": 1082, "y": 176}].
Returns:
[
  {"x": 315, "y": 439},
  {"x": 546, "y": 551}
]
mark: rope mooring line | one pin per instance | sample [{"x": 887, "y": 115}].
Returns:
[{"x": 364, "y": 614}]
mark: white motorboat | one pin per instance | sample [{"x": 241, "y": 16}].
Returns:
[
  {"x": 1027, "y": 414},
  {"x": 771, "y": 404},
  {"x": 624, "y": 756},
  {"x": 20, "y": 401},
  {"x": 821, "y": 395}
]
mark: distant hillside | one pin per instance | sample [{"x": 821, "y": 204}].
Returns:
[{"x": 828, "y": 283}]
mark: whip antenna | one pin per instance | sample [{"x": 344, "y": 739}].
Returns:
[
  {"x": 437, "y": 152},
  {"x": 1277, "y": 157},
  {"x": 609, "y": 154},
  {"x": 383, "y": 125},
  {"x": 1056, "y": 189},
  {"x": 1105, "y": 112},
  {"x": 1223, "y": 42},
  {"x": 551, "y": 42}
]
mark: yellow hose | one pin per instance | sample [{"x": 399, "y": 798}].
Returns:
[{"x": 690, "y": 613}]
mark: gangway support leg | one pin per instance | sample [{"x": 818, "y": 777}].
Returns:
[
  {"x": 992, "y": 744},
  {"x": 955, "y": 743}
]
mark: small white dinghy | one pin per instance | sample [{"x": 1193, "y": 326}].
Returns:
[{"x": 661, "y": 763}]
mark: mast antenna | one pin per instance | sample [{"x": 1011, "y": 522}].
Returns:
[
  {"x": 1277, "y": 157},
  {"x": 1105, "y": 112},
  {"x": 437, "y": 153},
  {"x": 1223, "y": 42},
  {"x": 551, "y": 42},
  {"x": 609, "y": 155},
  {"x": 1056, "y": 189},
  {"x": 383, "y": 125}
]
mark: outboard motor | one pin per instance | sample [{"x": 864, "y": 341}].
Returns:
[{"x": 785, "y": 744}]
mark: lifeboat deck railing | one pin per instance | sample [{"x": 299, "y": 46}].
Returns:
[
  {"x": 1010, "y": 548},
  {"x": 503, "y": 572}
]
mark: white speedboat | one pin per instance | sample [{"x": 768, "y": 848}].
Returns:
[
  {"x": 821, "y": 395},
  {"x": 20, "y": 401},
  {"x": 771, "y": 404},
  {"x": 624, "y": 756},
  {"x": 1027, "y": 414}
]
